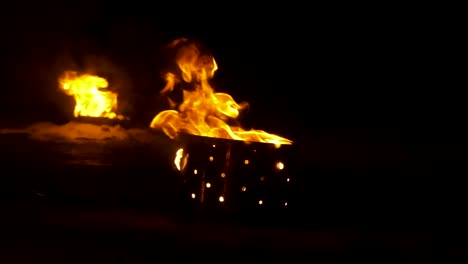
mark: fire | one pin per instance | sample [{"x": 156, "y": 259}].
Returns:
[
  {"x": 91, "y": 100},
  {"x": 178, "y": 158},
  {"x": 203, "y": 111}
]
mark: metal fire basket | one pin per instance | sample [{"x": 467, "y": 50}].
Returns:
[{"x": 223, "y": 175}]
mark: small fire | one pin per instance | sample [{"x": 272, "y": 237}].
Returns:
[
  {"x": 91, "y": 100},
  {"x": 178, "y": 158},
  {"x": 204, "y": 112}
]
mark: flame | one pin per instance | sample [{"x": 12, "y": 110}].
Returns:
[
  {"x": 178, "y": 158},
  {"x": 204, "y": 112},
  {"x": 91, "y": 100}
]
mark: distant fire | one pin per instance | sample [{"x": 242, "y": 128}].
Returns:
[
  {"x": 203, "y": 112},
  {"x": 90, "y": 97}
]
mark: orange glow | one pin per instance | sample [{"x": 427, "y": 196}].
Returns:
[
  {"x": 178, "y": 158},
  {"x": 91, "y": 100},
  {"x": 280, "y": 165},
  {"x": 202, "y": 111}
]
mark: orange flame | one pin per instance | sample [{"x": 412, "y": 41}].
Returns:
[
  {"x": 90, "y": 100},
  {"x": 204, "y": 112}
]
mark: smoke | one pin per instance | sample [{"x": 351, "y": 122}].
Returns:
[{"x": 74, "y": 131}]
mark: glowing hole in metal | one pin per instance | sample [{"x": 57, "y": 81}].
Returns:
[
  {"x": 280, "y": 165},
  {"x": 178, "y": 158}
]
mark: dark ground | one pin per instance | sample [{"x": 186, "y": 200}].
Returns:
[{"x": 64, "y": 202}]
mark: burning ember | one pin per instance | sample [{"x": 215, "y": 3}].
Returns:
[
  {"x": 203, "y": 112},
  {"x": 179, "y": 155},
  {"x": 91, "y": 100}
]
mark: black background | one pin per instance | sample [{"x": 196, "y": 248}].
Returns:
[{"x": 301, "y": 68}]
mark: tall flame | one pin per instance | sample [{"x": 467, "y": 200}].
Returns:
[
  {"x": 204, "y": 112},
  {"x": 91, "y": 100}
]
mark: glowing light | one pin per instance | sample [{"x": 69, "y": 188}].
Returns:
[
  {"x": 260, "y": 202},
  {"x": 178, "y": 157},
  {"x": 214, "y": 146},
  {"x": 211, "y": 158},
  {"x": 193, "y": 196},
  {"x": 244, "y": 188},
  {"x": 223, "y": 175},
  {"x": 90, "y": 95},
  {"x": 195, "y": 171},
  {"x": 287, "y": 179},
  {"x": 246, "y": 162},
  {"x": 286, "y": 204},
  {"x": 262, "y": 178},
  {"x": 208, "y": 185},
  {"x": 221, "y": 199},
  {"x": 280, "y": 165}
]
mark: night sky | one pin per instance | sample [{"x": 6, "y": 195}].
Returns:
[{"x": 302, "y": 69}]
